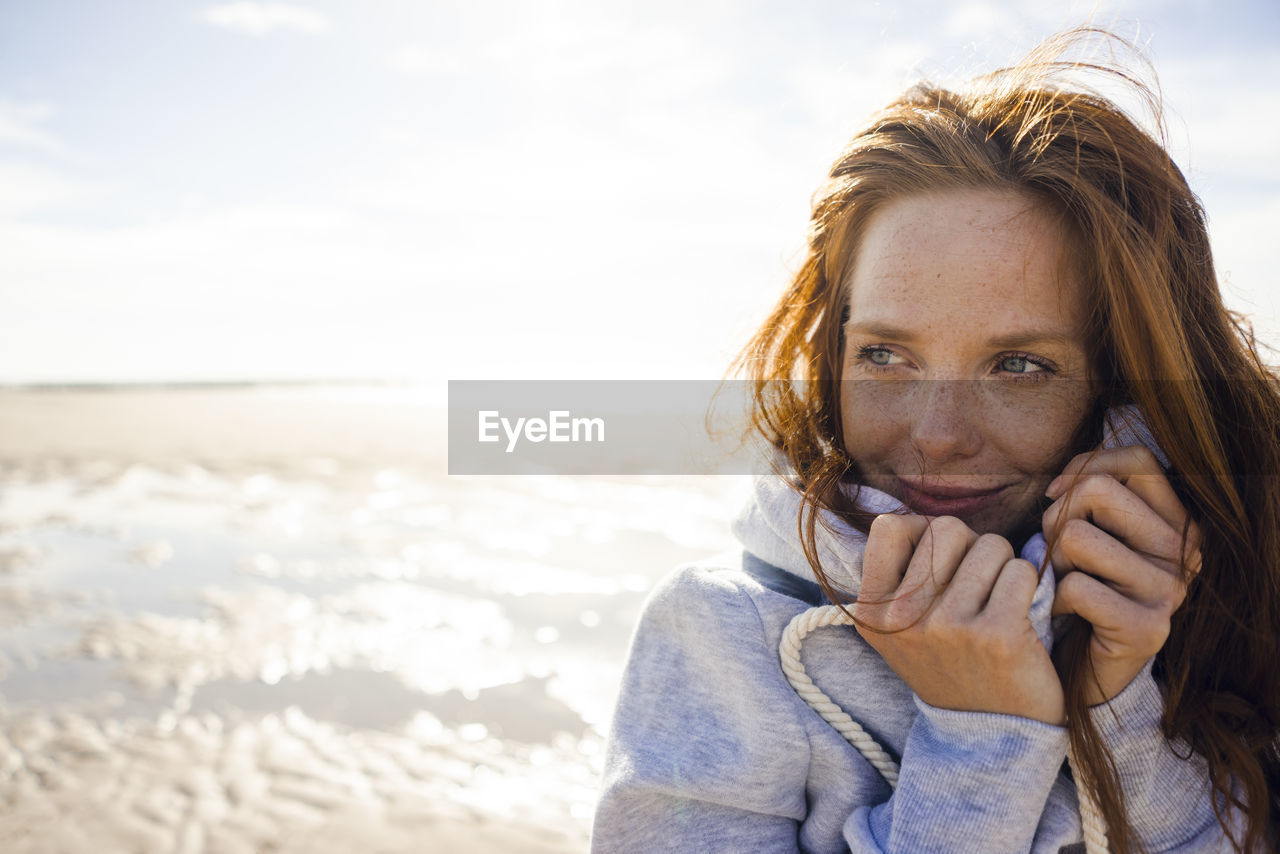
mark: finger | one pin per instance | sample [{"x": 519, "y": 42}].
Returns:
[
  {"x": 972, "y": 583},
  {"x": 1014, "y": 588},
  {"x": 1137, "y": 468},
  {"x": 942, "y": 547},
  {"x": 1113, "y": 507},
  {"x": 891, "y": 541},
  {"x": 1115, "y": 620},
  {"x": 1083, "y": 546}
]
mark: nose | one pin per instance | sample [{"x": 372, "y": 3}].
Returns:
[{"x": 944, "y": 424}]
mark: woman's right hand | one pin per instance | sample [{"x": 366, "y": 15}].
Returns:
[{"x": 948, "y": 611}]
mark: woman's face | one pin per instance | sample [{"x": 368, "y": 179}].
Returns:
[{"x": 965, "y": 373}]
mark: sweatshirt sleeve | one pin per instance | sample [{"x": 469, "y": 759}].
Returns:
[
  {"x": 704, "y": 754},
  {"x": 708, "y": 751},
  {"x": 1168, "y": 797},
  {"x": 968, "y": 781}
]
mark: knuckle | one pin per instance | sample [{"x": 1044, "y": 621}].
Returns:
[
  {"x": 1193, "y": 563},
  {"x": 1049, "y": 519},
  {"x": 1091, "y": 485},
  {"x": 948, "y": 611},
  {"x": 1190, "y": 549},
  {"x": 1025, "y": 567},
  {"x": 886, "y": 524},
  {"x": 997, "y": 545},
  {"x": 1170, "y": 549},
  {"x": 1103, "y": 485},
  {"x": 1172, "y": 591},
  {"x": 897, "y": 615},
  {"x": 947, "y": 527},
  {"x": 1074, "y": 533},
  {"x": 1142, "y": 457},
  {"x": 1070, "y": 585},
  {"x": 870, "y": 617},
  {"x": 886, "y": 520},
  {"x": 1078, "y": 462},
  {"x": 1077, "y": 528}
]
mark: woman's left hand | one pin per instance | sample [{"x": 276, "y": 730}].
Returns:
[{"x": 1117, "y": 544}]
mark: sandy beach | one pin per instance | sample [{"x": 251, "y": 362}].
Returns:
[{"x": 251, "y": 620}]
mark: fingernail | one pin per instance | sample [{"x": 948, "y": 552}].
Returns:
[{"x": 1054, "y": 486}]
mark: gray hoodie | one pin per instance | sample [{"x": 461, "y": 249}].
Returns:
[{"x": 712, "y": 751}]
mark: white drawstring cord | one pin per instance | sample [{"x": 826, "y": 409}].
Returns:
[{"x": 1095, "y": 828}]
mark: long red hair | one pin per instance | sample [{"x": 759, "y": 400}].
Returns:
[{"x": 1164, "y": 341}]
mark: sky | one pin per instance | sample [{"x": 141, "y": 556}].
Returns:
[{"x": 442, "y": 190}]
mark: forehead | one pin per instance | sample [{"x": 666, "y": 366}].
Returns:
[{"x": 986, "y": 256}]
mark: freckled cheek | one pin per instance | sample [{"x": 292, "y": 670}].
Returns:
[
  {"x": 1036, "y": 439},
  {"x": 875, "y": 420}
]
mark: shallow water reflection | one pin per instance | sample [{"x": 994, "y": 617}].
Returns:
[{"x": 316, "y": 657}]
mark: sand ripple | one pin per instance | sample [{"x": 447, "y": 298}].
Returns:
[{"x": 303, "y": 654}]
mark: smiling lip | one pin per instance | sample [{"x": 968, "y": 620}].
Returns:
[{"x": 938, "y": 500}]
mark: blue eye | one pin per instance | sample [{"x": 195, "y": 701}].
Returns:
[
  {"x": 876, "y": 357},
  {"x": 1019, "y": 363}
]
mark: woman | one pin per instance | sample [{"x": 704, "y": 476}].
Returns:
[{"x": 1022, "y": 396}]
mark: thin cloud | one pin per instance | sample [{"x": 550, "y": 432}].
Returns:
[
  {"x": 21, "y": 124},
  {"x": 1242, "y": 239},
  {"x": 419, "y": 61},
  {"x": 31, "y": 189},
  {"x": 260, "y": 19},
  {"x": 1229, "y": 115},
  {"x": 975, "y": 19}
]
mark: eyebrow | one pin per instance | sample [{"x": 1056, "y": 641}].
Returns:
[{"x": 1013, "y": 340}]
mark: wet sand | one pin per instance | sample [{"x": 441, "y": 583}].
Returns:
[{"x": 266, "y": 620}]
